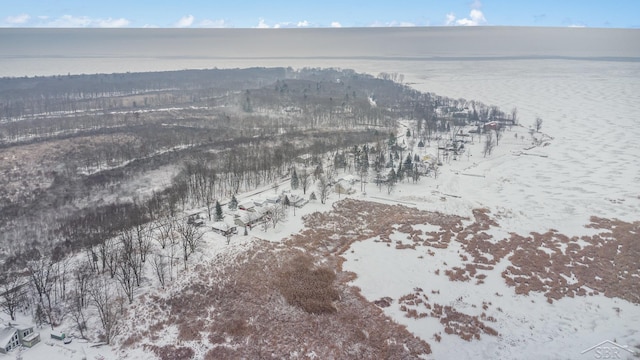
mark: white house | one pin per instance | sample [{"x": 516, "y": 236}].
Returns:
[
  {"x": 9, "y": 339},
  {"x": 247, "y": 205},
  {"x": 14, "y": 335},
  {"x": 344, "y": 187},
  {"x": 249, "y": 218},
  {"x": 223, "y": 228}
]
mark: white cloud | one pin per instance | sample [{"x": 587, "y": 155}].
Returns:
[
  {"x": 71, "y": 21},
  {"x": 17, "y": 20},
  {"x": 336, "y": 24},
  {"x": 207, "y": 23},
  {"x": 185, "y": 21},
  {"x": 476, "y": 17},
  {"x": 392, "y": 24},
  {"x": 112, "y": 23},
  {"x": 577, "y": 26},
  {"x": 451, "y": 19},
  {"x": 262, "y": 24}
]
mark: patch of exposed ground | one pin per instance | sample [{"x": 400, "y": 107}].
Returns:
[
  {"x": 272, "y": 301},
  {"x": 555, "y": 264},
  {"x": 551, "y": 263},
  {"x": 293, "y": 300}
]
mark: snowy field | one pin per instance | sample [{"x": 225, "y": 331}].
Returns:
[{"x": 589, "y": 168}]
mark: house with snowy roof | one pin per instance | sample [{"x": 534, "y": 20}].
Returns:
[
  {"x": 223, "y": 228},
  {"x": 249, "y": 218},
  {"x": 14, "y": 335},
  {"x": 246, "y": 205},
  {"x": 344, "y": 187}
]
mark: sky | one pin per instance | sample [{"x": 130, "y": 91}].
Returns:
[{"x": 313, "y": 13}]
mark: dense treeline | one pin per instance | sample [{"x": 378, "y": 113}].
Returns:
[{"x": 88, "y": 135}]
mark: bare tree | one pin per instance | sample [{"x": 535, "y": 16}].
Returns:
[
  {"x": 76, "y": 310},
  {"x": 82, "y": 276},
  {"x": 538, "y": 124},
  {"x": 277, "y": 214},
  {"x": 324, "y": 188},
  {"x": 129, "y": 256},
  {"x": 488, "y": 144},
  {"x": 102, "y": 295},
  {"x": 11, "y": 294},
  {"x": 159, "y": 264},
  {"x": 126, "y": 277},
  {"x": 190, "y": 237},
  {"x": 42, "y": 279},
  {"x": 304, "y": 180},
  {"x": 391, "y": 180},
  {"x": 143, "y": 240},
  {"x": 498, "y": 132},
  {"x": 166, "y": 229}
]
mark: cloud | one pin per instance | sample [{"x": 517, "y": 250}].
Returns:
[
  {"x": 451, "y": 19},
  {"x": 336, "y": 24},
  {"x": 207, "y": 23},
  {"x": 392, "y": 24},
  {"x": 112, "y": 23},
  {"x": 17, "y": 20},
  {"x": 476, "y": 17},
  {"x": 184, "y": 21},
  {"x": 71, "y": 21},
  {"x": 262, "y": 24}
]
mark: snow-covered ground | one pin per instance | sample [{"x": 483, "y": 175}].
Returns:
[{"x": 589, "y": 168}]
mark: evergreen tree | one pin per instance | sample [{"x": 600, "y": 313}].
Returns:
[
  {"x": 408, "y": 163},
  {"x": 392, "y": 139},
  {"x": 219, "y": 214},
  {"x": 294, "y": 180},
  {"x": 286, "y": 201},
  {"x": 408, "y": 133},
  {"x": 313, "y": 196},
  {"x": 233, "y": 204},
  {"x": 364, "y": 161},
  {"x": 400, "y": 173},
  {"x": 416, "y": 158},
  {"x": 392, "y": 177}
]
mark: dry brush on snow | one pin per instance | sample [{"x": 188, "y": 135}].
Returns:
[{"x": 271, "y": 301}]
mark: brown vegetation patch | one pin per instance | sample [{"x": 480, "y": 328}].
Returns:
[
  {"x": 465, "y": 326},
  {"x": 238, "y": 304},
  {"x": 310, "y": 289},
  {"x": 353, "y": 220},
  {"x": 383, "y": 302},
  {"x": 606, "y": 264},
  {"x": 170, "y": 352}
]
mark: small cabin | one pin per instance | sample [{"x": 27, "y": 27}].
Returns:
[{"x": 56, "y": 335}]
